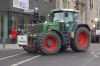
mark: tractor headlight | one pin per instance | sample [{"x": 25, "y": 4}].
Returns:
[
  {"x": 34, "y": 35},
  {"x": 31, "y": 35},
  {"x": 45, "y": 21},
  {"x": 62, "y": 20}
]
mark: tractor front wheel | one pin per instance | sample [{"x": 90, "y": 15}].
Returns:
[
  {"x": 82, "y": 40},
  {"x": 50, "y": 43},
  {"x": 30, "y": 48}
]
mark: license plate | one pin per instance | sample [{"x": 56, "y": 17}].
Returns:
[{"x": 22, "y": 39}]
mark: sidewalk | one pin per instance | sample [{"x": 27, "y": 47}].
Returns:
[{"x": 9, "y": 46}]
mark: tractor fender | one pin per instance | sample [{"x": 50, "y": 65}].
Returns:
[
  {"x": 60, "y": 35},
  {"x": 77, "y": 26},
  {"x": 82, "y": 25}
]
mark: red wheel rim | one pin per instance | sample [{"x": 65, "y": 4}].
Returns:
[
  {"x": 50, "y": 43},
  {"x": 82, "y": 39}
]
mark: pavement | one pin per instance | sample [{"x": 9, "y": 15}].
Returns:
[
  {"x": 18, "y": 57},
  {"x": 9, "y": 46}
]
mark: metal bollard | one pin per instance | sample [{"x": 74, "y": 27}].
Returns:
[{"x": 4, "y": 40}]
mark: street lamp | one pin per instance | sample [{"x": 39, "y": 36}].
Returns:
[
  {"x": 95, "y": 23},
  {"x": 36, "y": 8},
  {"x": 96, "y": 19}
]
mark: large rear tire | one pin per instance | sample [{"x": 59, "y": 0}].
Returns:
[
  {"x": 82, "y": 40},
  {"x": 49, "y": 43},
  {"x": 30, "y": 48}
]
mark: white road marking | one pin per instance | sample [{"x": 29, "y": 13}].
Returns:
[
  {"x": 92, "y": 53},
  {"x": 98, "y": 53},
  {"x": 11, "y": 56},
  {"x": 96, "y": 56},
  {"x": 21, "y": 62}
]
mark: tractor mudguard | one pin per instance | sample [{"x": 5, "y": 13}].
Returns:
[{"x": 81, "y": 25}]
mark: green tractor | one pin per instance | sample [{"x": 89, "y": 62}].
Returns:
[{"x": 63, "y": 30}]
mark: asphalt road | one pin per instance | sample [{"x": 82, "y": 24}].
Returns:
[{"x": 19, "y": 57}]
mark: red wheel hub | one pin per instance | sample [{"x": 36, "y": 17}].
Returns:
[
  {"x": 82, "y": 39},
  {"x": 50, "y": 43}
]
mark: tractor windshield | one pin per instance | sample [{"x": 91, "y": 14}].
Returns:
[
  {"x": 66, "y": 16},
  {"x": 58, "y": 17}
]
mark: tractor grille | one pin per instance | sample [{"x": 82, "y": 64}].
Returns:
[{"x": 36, "y": 28}]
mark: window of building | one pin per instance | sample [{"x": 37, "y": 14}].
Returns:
[
  {"x": 12, "y": 22},
  {"x": 98, "y": 25},
  {"x": 50, "y": 1},
  {"x": 46, "y": 0},
  {"x": 21, "y": 22}
]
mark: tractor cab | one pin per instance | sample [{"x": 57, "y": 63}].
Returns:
[{"x": 65, "y": 15}]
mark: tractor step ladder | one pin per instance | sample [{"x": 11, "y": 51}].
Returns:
[{"x": 66, "y": 37}]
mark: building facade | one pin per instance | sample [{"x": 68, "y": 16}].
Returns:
[
  {"x": 19, "y": 14},
  {"x": 88, "y": 9},
  {"x": 60, "y": 4},
  {"x": 96, "y": 10}
]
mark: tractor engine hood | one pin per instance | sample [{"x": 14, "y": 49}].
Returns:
[
  {"x": 51, "y": 26},
  {"x": 43, "y": 27},
  {"x": 36, "y": 28}
]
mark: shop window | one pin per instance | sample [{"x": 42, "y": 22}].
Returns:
[
  {"x": 12, "y": 22},
  {"x": 21, "y": 22},
  {"x": 1, "y": 26}
]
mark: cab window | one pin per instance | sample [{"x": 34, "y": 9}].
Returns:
[{"x": 69, "y": 17}]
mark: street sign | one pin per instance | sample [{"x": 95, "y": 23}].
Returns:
[{"x": 22, "y": 39}]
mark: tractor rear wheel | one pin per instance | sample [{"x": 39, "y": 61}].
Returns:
[
  {"x": 49, "y": 43},
  {"x": 82, "y": 40},
  {"x": 30, "y": 48}
]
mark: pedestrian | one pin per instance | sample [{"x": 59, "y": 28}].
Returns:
[{"x": 14, "y": 35}]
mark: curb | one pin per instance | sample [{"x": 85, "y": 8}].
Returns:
[{"x": 10, "y": 47}]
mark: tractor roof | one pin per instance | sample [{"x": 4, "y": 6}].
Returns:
[{"x": 73, "y": 10}]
